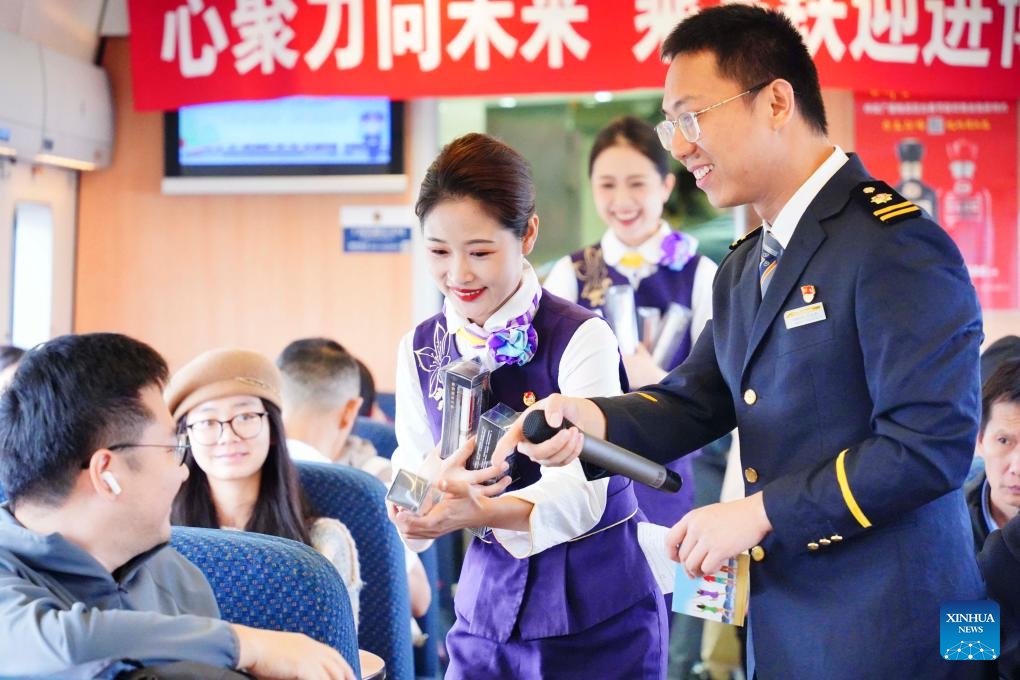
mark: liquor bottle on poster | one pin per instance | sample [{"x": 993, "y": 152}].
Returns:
[
  {"x": 910, "y": 152},
  {"x": 967, "y": 212}
]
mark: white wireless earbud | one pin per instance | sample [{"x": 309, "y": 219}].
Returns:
[{"x": 111, "y": 482}]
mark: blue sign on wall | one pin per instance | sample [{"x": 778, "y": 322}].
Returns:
[{"x": 377, "y": 239}]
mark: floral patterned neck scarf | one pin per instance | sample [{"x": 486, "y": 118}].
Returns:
[
  {"x": 515, "y": 344},
  {"x": 677, "y": 250}
]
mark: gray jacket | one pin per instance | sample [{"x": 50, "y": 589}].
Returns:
[{"x": 61, "y": 608}]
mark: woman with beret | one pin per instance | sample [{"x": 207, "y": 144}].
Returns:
[{"x": 228, "y": 403}]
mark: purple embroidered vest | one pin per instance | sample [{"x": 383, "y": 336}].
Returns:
[
  {"x": 594, "y": 276},
  {"x": 562, "y": 590},
  {"x": 658, "y": 290}
]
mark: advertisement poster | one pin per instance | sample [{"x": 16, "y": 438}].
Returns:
[{"x": 958, "y": 161}]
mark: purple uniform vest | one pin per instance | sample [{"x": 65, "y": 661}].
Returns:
[
  {"x": 569, "y": 587},
  {"x": 658, "y": 290}
]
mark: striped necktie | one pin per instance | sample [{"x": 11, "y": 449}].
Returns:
[{"x": 770, "y": 252}]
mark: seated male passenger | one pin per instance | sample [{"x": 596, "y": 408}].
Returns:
[
  {"x": 993, "y": 496},
  {"x": 321, "y": 391},
  {"x": 90, "y": 461}
]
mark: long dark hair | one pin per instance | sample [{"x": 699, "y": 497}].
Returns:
[{"x": 280, "y": 508}]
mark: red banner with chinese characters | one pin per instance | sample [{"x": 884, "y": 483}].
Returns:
[
  {"x": 957, "y": 160},
  {"x": 192, "y": 51}
]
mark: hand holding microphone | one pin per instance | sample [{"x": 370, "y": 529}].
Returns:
[
  {"x": 561, "y": 449},
  {"x": 606, "y": 455}
]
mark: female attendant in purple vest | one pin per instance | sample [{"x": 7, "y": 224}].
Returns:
[
  {"x": 630, "y": 182},
  {"x": 559, "y": 588}
]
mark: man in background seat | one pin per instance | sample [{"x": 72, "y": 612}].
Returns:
[
  {"x": 993, "y": 496},
  {"x": 321, "y": 401}
]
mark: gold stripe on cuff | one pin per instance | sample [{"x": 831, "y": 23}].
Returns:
[{"x": 848, "y": 496}]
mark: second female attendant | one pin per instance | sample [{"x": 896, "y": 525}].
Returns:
[{"x": 630, "y": 182}]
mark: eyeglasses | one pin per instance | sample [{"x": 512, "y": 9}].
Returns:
[
  {"x": 180, "y": 449},
  {"x": 245, "y": 425},
  {"x": 687, "y": 122}
]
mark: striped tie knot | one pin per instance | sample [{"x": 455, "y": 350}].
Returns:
[{"x": 770, "y": 252}]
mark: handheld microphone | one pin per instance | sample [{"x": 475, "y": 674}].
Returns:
[{"x": 606, "y": 455}]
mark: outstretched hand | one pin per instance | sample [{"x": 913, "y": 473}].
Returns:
[
  {"x": 706, "y": 537},
  {"x": 641, "y": 368},
  {"x": 462, "y": 506},
  {"x": 464, "y": 495},
  {"x": 274, "y": 654},
  {"x": 563, "y": 447}
]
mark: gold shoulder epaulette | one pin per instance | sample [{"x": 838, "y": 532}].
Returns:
[
  {"x": 882, "y": 201},
  {"x": 753, "y": 232}
]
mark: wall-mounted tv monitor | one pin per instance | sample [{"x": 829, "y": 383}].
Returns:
[{"x": 293, "y": 144}]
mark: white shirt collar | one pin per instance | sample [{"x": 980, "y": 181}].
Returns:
[
  {"x": 300, "y": 450},
  {"x": 518, "y": 304},
  {"x": 789, "y": 216},
  {"x": 613, "y": 249}
]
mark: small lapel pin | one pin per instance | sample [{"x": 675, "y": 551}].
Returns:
[
  {"x": 529, "y": 398},
  {"x": 808, "y": 293}
]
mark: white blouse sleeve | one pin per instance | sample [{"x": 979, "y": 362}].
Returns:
[
  {"x": 414, "y": 438},
  {"x": 701, "y": 296},
  {"x": 561, "y": 280},
  {"x": 565, "y": 503},
  {"x": 411, "y": 424}
]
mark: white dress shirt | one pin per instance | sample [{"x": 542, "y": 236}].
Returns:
[{"x": 790, "y": 214}]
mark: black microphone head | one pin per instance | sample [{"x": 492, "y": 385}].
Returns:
[
  {"x": 672, "y": 482},
  {"x": 536, "y": 429}
]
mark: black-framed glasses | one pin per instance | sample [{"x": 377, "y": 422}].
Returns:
[
  {"x": 687, "y": 122},
  {"x": 246, "y": 425},
  {"x": 180, "y": 449}
]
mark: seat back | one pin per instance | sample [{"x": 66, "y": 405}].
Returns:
[
  {"x": 426, "y": 658},
  {"x": 358, "y": 500},
  {"x": 273, "y": 583},
  {"x": 387, "y": 403},
  {"x": 382, "y": 435}
]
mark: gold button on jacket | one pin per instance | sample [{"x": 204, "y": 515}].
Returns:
[
  {"x": 812, "y": 546},
  {"x": 757, "y": 553},
  {"x": 750, "y": 396},
  {"x": 751, "y": 475}
]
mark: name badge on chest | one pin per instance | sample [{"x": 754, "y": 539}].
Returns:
[{"x": 802, "y": 316}]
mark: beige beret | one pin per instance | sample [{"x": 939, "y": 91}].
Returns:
[{"x": 222, "y": 373}]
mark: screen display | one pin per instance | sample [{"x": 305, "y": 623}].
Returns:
[{"x": 287, "y": 136}]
